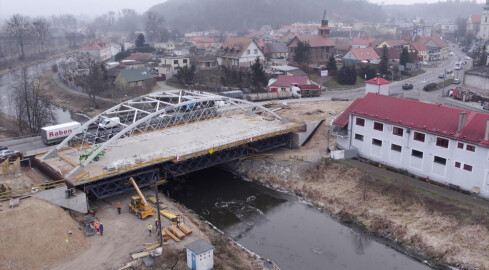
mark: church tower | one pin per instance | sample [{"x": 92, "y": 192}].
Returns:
[
  {"x": 324, "y": 29},
  {"x": 484, "y": 28}
]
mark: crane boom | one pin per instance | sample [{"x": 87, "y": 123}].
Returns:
[{"x": 138, "y": 191}]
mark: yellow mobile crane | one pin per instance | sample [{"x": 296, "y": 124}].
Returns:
[{"x": 138, "y": 205}]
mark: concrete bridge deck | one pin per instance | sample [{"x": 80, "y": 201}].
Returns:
[{"x": 171, "y": 144}]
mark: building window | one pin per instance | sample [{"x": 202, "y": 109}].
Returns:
[
  {"x": 416, "y": 153},
  {"x": 440, "y": 160},
  {"x": 419, "y": 136},
  {"x": 248, "y": 51},
  {"x": 358, "y": 137},
  {"x": 460, "y": 145},
  {"x": 360, "y": 122},
  {"x": 470, "y": 148},
  {"x": 395, "y": 147},
  {"x": 397, "y": 131},
  {"x": 378, "y": 126},
  {"x": 175, "y": 62},
  {"x": 283, "y": 89},
  {"x": 185, "y": 61},
  {"x": 467, "y": 167},
  {"x": 441, "y": 142},
  {"x": 255, "y": 51},
  {"x": 376, "y": 142},
  {"x": 457, "y": 164}
]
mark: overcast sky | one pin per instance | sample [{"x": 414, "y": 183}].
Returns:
[{"x": 97, "y": 7}]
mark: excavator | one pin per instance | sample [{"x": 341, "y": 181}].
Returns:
[{"x": 138, "y": 205}]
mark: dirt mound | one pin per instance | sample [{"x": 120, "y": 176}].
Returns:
[{"x": 34, "y": 235}]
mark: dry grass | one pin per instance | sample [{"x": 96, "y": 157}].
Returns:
[{"x": 34, "y": 235}]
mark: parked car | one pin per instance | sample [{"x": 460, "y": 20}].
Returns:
[
  {"x": 456, "y": 81},
  {"x": 441, "y": 75},
  {"x": 10, "y": 154},
  {"x": 407, "y": 86},
  {"x": 3, "y": 148},
  {"x": 467, "y": 58}
]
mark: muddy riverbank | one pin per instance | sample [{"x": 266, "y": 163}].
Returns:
[{"x": 444, "y": 230}]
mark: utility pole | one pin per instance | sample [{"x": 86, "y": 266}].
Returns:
[{"x": 443, "y": 88}]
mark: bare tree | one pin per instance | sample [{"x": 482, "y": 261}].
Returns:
[
  {"x": 93, "y": 82},
  {"x": 19, "y": 28},
  {"x": 33, "y": 109},
  {"x": 154, "y": 27},
  {"x": 41, "y": 31}
]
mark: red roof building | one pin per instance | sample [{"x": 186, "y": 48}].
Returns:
[
  {"x": 360, "y": 42},
  {"x": 378, "y": 81},
  {"x": 286, "y": 81},
  {"x": 447, "y": 145}
]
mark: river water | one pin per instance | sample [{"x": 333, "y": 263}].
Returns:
[
  {"x": 278, "y": 226},
  {"x": 7, "y": 83}
]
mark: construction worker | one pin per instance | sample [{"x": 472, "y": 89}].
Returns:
[
  {"x": 119, "y": 207},
  {"x": 157, "y": 226},
  {"x": 150, "y": 227},
  {"x": 101, "y": 229}
]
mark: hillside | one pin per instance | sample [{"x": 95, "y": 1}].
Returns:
[
  {"x": 223, "y": 15},
  {"x": 435, "y": 11}
]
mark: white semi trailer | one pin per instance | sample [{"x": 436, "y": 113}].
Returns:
[{"x": 57, "y": 133}]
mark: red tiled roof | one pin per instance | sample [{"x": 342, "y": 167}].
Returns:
[
  {"x": 139, "y": 56},
  {"x": 317, "y": 41},
  {"x": 393, "y": 53},
  {"x": 419, "y": 46},
  {"x": 396, "y": 42},
  {"x": 362, "y": 41},
  {"x": 476, "y": 18},
  {"x": 284, "y": 80},
  {"x": 342, "y": 44},
  {"x": 94, "y": 45},
  {"x": 425, "y": 117},
  {"x": 234, "y": 47},
  {"x": 378, "y": 81},
  {"x": 362, "y": 54}
]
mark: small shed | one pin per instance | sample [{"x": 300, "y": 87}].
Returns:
[
  {"x": 200, "y": 255},
  {"x": 377, "y": 85}
]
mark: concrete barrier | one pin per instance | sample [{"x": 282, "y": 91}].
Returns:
[{"x": 299, "y": 138}]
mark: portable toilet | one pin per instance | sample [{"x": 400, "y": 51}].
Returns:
[
  {"x": 200, "y": 255},
  {"x": 377, "y": 85}
]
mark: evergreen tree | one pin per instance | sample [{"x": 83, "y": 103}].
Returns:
[
  {"x": 302, "y": 52},
  {"x": 347, "y": 75},
  {"x": 384, "y": 61},
  {"x": 404, "y": 58},
  {"x": 258, "y": 75},
  {"x": 140, "y": 40},
  {"x": 332, "y": 68}
]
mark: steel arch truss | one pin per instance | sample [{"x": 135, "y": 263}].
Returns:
[
  {"x": 121, "y": 184},
  {"x": 156, "y": 111}
]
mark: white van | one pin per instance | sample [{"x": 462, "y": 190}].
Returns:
[{"x": 109, "y": 122}]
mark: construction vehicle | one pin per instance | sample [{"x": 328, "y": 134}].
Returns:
[
  {"x": 88, "y": 153},
  {"x": 138, "y": 205}
]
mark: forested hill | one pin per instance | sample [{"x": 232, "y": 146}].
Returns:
[
  {"x": 194, "y": 15},
  {"x": 449, "y": 10}
]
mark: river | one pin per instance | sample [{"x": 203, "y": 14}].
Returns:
[
  {"x": 278, "y": 226},
  {"x": 7, "y": 83}
]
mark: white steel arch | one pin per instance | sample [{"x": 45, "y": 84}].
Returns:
[{"x": 153, "y": 112}]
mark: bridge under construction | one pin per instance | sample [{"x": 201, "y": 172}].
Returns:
[{"x": 161, "y": 135}]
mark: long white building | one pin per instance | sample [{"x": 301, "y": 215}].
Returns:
[{"x": 448, "y": 145}]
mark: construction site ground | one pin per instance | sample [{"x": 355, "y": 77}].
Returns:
[{"x": 123, "y": 234}]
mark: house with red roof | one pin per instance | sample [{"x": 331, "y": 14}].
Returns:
[
  {"x": 98, "y": 50},
  {"x": 361, "y": 55},
  {"x": 447, "y": 145},
  {"x": 377, "y": 85},
  {"x": 283, "y": 82},
  {"x": 437, "y": 48},
  {"x": 421, "y": 50},
  {"x": 322, "y": 46},
  {"x": 239, "y": 52}
]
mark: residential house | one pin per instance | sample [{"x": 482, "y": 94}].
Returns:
[
  {"x": 98, "y": 50},
  {"x": 322, "y": 46},
  {"x": 276, "y": 50},
  {"x": 133, "y": 77},
  {"x": 166, "y": 47},
  {"x": 447, "y": 145},
  {"x": 207, "y": 63},
  {"x": 132, "y": 64},
  {"x": 175, "y": 62},
  {"x": 74, "y": 66},
  {"x": 283, "y": 82},
  {"x": 474, "y": 23},
  {"x": 361, "y": 55},
  {"x": 437, "y": 48},
  {"x": 393, "y": 53},
  {"x": 341, "y": 46},
  {"x": 360, "y": 42},
  {"x": 393, "y": 43},
  {"x": 421, "y": 50},
  {"x": 377, "y": 85},
  {"x": 286, "y": 70},
  {"x": 239, "y": 52},
  {"x": 139, "y": 56}
]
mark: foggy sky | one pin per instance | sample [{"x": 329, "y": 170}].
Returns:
[{"x": 93, "y": 8}]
